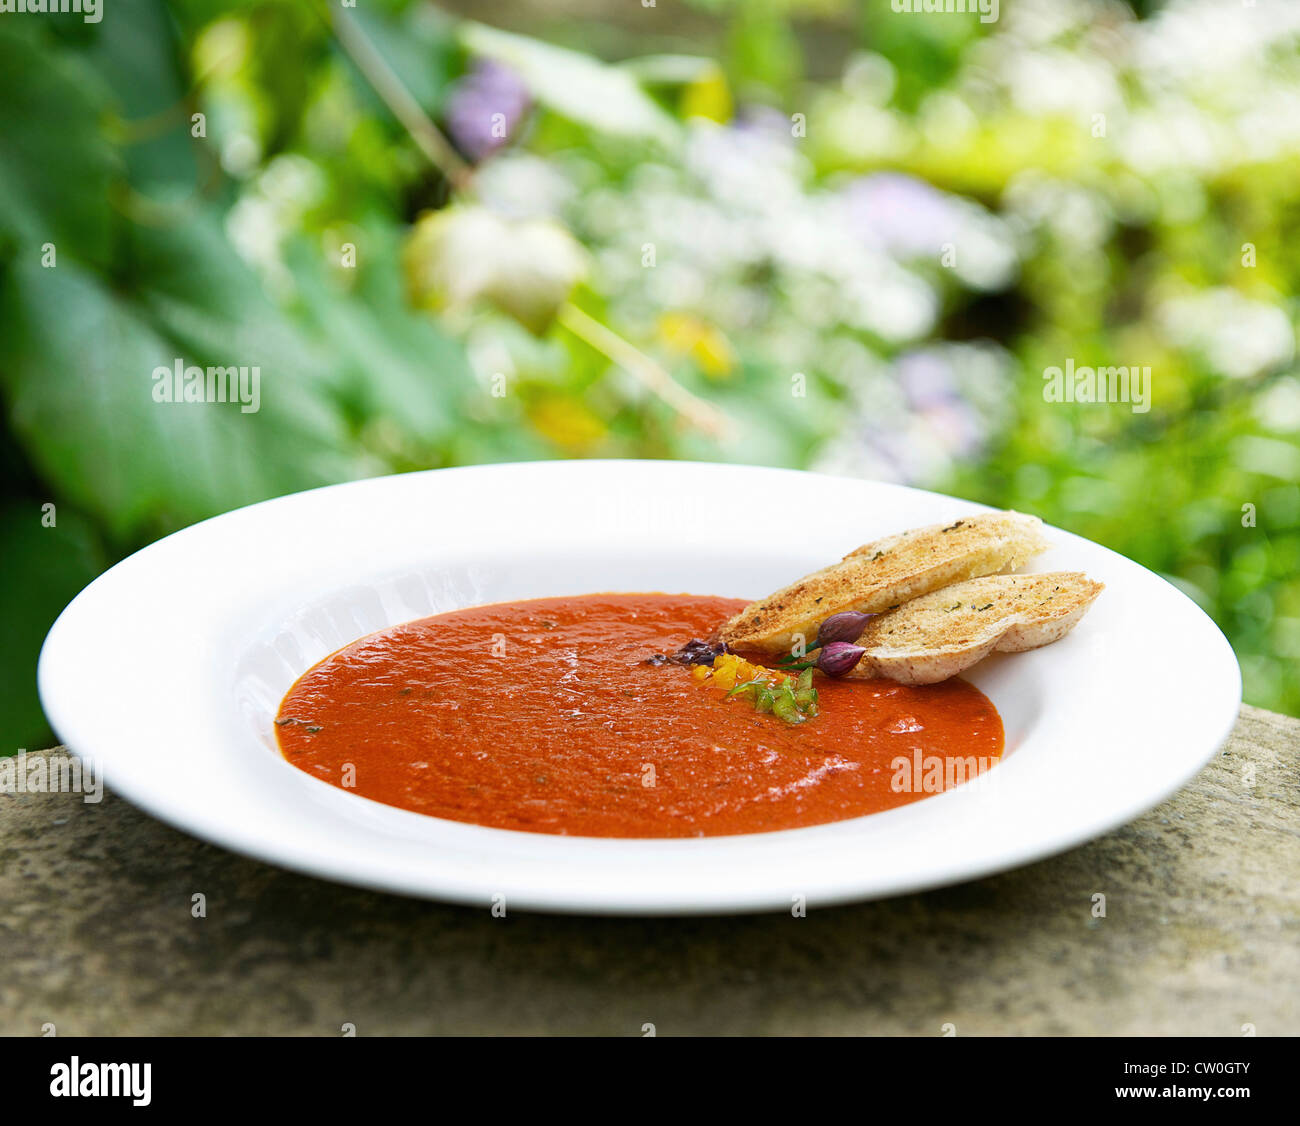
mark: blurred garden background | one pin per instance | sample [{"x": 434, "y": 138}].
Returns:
[{"x": 467, "y": 232}]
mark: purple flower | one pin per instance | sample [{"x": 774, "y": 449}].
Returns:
[
  {"x": 957, "y": 427},
  {"x": 904, "y": 215},
  {"x": 926, "y": 378},
  {"x": 935, "y": 382},
  {"x": 486, "y": 108},
  {"x": 764, "y": 121}
]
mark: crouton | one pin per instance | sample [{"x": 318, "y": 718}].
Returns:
[
  {"x": 884, "y": 574},
  {"x": 940, "y": 634}
]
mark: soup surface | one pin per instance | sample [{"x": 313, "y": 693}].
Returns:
[{"x": 542, "y": 716}]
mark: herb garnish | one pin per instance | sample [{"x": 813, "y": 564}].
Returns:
[{"x": 792, "y": 700}]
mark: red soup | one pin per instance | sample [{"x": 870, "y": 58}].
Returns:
[{"x": 544, "y": 716}]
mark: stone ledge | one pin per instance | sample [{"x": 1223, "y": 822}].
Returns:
[{"x": 1201, "y": 937}]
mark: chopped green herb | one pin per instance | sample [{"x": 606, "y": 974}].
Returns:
[
  {"x": 793, "y": 700},
  {"x": 784, "y": 705},
  {"x": 805, "y": 695}
]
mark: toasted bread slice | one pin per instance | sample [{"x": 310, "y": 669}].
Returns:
[
  {"x": 937, "y": 636},
  {"x": 885, "y": 573}
]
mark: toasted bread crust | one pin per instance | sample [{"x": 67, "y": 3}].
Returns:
[
  {"x": 884, "y": 574},
  {"x": 940, "y": 634}
]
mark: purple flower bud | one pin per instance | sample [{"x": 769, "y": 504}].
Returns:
[
  {"x": 839, "y": 657},
  {"x": 486, "y": 108},
  {"x": 847, "y": 626}
]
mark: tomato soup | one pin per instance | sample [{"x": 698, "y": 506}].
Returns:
[{"x": 545, "y": 716}]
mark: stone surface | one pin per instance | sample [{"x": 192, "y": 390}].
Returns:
[{"x": 1201, "y": 936}]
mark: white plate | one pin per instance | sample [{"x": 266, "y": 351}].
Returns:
[{"x": 167, "y": 672}]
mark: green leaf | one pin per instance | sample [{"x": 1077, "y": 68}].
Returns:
[
  {"x": 583, "y": 89},
  {"x": 397, "y": 364},
  {"x": 43, "y": 569},
  {"x": 195, "y": 289},
  {"x": 135, "y": 55},
  {"x": 81, "y": 391},
  {"x": 55, "y": 165}
]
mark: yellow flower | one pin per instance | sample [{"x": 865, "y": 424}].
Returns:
[
  {"x": 687, "y": 335},
  {"x": 708, "y": 96},
  {"x": 566, "y": 422}
]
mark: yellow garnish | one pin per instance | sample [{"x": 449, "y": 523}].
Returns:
[
  {"x": 729, "y": 670},
  {"x": 767, "y": 689}
]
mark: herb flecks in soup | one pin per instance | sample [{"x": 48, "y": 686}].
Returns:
[{"x": 549, "y": 716}]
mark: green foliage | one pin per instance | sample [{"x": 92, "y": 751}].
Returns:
[
  {"x": 116, "y": 261},
  {"x": 55, "y": 163},
  {"x": 44, "y": 568}
]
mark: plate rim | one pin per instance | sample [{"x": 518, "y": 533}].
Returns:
[{"x": 71, "y": 728}]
